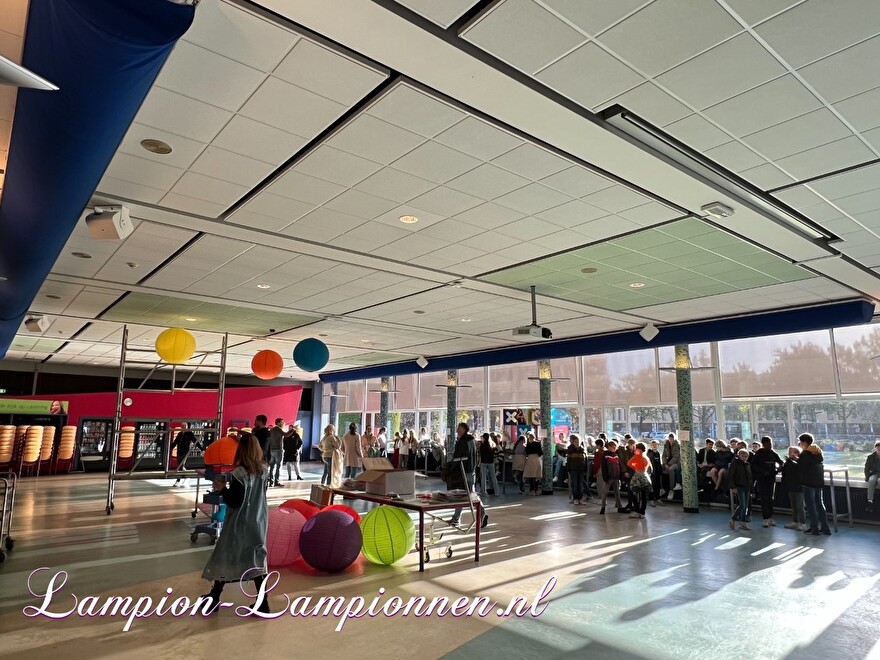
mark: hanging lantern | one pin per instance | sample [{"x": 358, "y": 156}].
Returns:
[
  {"x": 175, "y": 345},
  {"x": 388, "y": 533},
  {"x": 267, "y": 365},
  {"x": 311, "y": 354}
]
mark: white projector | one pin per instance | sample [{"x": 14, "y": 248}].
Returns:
[
  {"x": 532, "y": 332},
  {"x": 108, "y": 223}
]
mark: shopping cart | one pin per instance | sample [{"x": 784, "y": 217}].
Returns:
[{"x": 8, "y": 481}]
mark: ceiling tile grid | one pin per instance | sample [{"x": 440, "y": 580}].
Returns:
[{"x": 442, "y": 13}]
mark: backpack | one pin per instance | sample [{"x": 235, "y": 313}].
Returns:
[{"x": 610, "y": 468}]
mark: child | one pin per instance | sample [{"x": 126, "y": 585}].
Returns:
[
  {"x": 640, "y": 483},
  {"x": 218, "y": 515},
  {"x": 610, "y": 474},
  {"x": 791, "y": 481},
  {"x": 740, "y": 475}
]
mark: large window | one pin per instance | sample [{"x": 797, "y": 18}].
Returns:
[
  {"x": 773, "y": 421},
  {"x": 473, "y": 394},
  {"x": 351, "y": 396},
  {"x": 431, "y": 396},
  {"x": 622, "y": 378},
  {"x": 702, "y": 377},
  {"x": 564, "y": 390},
  {"x": 738, "y": 420},
  {"x": 857, "y": 349},
  {"x": 510, "y": 384}
]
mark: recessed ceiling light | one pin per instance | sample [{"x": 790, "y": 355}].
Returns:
[
  {"x": 589, "y": 269},
  {"x": 156, "y": 147},
  {"x": 81, "y": 255},
  {"x": 409, "y": 219},
  {"x": 466, "y": 320},
  {"x": 637, "y": 285},
  {"x": 190, "y": 318},
  {"x": 457, "y": 284},
  {"x": 132, "y": 265},
  {"x": 418, "y": 311},
  {"x": 367, "y": 341},
  {"x": 52, "y": 296},
  {"x": 264, "y": 286}
]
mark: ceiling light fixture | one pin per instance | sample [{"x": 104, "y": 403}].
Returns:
[
  {"x": 409, "y": 219},
  {"x": 190, "y": 318},
  {"x": 156, "y": 147},
  {"x": 132, "y": 265},
  {"x": 589, "y": 270},
  {"x": 422, "y": 361},
  {"x": 264, "y": 286},
  {"x": 717, "y": 210},
  {"x": 418, "y": 311},
  {"x": 52, "y": 296},
  {"x": 367, "y": 341},
  {"x": 637, "y": 285},
  {"x": 465, "y": 320},
  {"x": 81, "y": 255}
]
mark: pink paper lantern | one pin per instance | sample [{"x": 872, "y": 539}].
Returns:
[{"x": 282, "y": 536}]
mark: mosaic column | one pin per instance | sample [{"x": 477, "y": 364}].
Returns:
[
  {"x": 451, "y": 410},
  {"x": 383, "y": 401},
  {"x": 331, "y": 414},
  {"x": 690, "y": 493},
  {"x": 544, "y": 385}
]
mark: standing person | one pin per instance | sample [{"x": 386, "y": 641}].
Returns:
[
  {"x": 672, "y": 463},
  {"x": 577, "y": 466},
  {"x": 464, "y": 454},
  {"x": 559, "y": 458},
  {"x": 438, "y": 450},
  {"x": 610, "y": 473},
  {"x": 534, "y": 470},
  {"x": 624, "y": 454},
  {"x": 640, "y": 481},
  {"x": 240, "y": 553},
  {"x": 368, "y": 441},
  {"x": 328, "y": 446},
  {"x": 740, "y": 476},
  {"x": 292, "y": 451},
  {"x": 261, "y": 432},
  {"x": 276, "y": 451},
  {"x": 395, "y": 459},
  {"x": 764, "y": 465},
  {"x": 872, "y": 472},
  {"x": 812, "y": 473},
  {"x": 351, "y": 452},
  {"x": 519, "y": 462},
  {"x": 656, "y": 471},
  {"x": 487, "y": 465},
  {"x": 596, "y": 468},
  {"x": 791, "y": 481},
  {"x": 412, "y": 445},
  {"x": 184, "y": 442},
  {"x": 382, "y": 440}
]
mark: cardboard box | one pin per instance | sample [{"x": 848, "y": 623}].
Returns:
[
  {"x": 381, "y": 478},
  {"x": 320, "y": 495}
]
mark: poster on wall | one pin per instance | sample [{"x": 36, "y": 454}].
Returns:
[{"x": 32, "y": 407}]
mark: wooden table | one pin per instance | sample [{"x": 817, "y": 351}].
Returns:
[{"x": 419, "y": 506}]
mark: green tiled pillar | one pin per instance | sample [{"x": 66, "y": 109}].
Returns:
[
  {"x": 690, "y": 493},
  {"x": 331, "y": 414},
  {"x": 383, "y": 401},
  {"x": 451, "y": 409},
  {"x": 544, "y": 384}
]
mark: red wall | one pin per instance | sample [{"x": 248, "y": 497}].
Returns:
[{"x": 239, "y": 403}]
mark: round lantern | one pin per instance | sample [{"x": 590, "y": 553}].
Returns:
[
  {"x": 282, "y": 536},
  {"x": 345, "y": 509},
  {"x": 267, "y": 365},
  {"x": 311, "y": 354},
  {"x": 330, "y": 541},
  {"x": 388, "y": 533},
  {"x": 175, "y": 345},
  {"x": 306, "y": 508}
]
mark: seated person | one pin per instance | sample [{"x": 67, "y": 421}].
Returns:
[
  {"x": 723, "y": 457},
  {"x": 219, "y": 486},
  {"x": 705, "y": 462}
]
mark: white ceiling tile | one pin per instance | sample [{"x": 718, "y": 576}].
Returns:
[
  {"x": 257, "y": 140},
  {"x": 375, "y": 139},
  {"x": 667, "y": 32},
  {"x": 192, "y": 205},
  {"x": 451, "y": 230},
  {"x": 240, "y": 35},
  {"x": 589, "y": 76},
  {"x": 827, "y": 158},
  {"x": 394, "y": 184},
  {"x": 523, "y": 34},
  {"x": 561, "y": 240},
  {"x": 206, "y": 76},
  {"x": 698, "y": 133},
  {"x": 232, "y": 167},
  {"x": 493, "y": 240},
  {"x": 369, "y": 236},
  {"x": 415, "y": 111},
  {"x": 593, "y": 16},
  {"x": 577, "y": 181},
  {"x": 456, "y": 253},
  {"x": 443, "y": 13},
  {"x": 652, "y": 103},
  {"x": 766, "y": 176},
  {"x": 361, "y": 204},
  {"x": 247, "y": 218},
  {"x": 862, "y": 110},
  {"x": 571, "y": 214},
  {"x": 489, "y": 216},
  {"x": 815, "y": 29},
  {"x": 873, "y": 137},
  {"x": 330, "y": 74},
  {"x": 308, "y": 189},
  {"x": 649, "y": 214},
  {"x": 478, "y": 138},
  {"x": 722, "y": 72},
  {"x": 209, "y": 189},
  {"x": 735, "y": 156},
  {"x": 336, "y": 166},
  {"x": 291, "y": 108},
  {"x": 445, "y": 201},
  {"x": 532, "y": 162},
  {"x": 611, "y": 225},
  {"x": 142, "y": 171},
  {"x": 414, "y": 245},
  {"x": 276, "y": 206},
  {"x": 323, "y": 224},
  {"x": 799, "y": 134},
  {"x": 184, "y": 151},
  {"x": 849, "y": 183},
  {"x": 436, "y": 162},
  {"x": 129, "y": 190},
  {"x": 533, "y": 198},
  {"x": 764, "y": 106},
  {"x": 846, "y": 73},
  {"x": 488, "y": 182},
  {"x": 755, "y": 11},
  {"x": 528, "y": 229},
  {"x": 616, "y": 199}
]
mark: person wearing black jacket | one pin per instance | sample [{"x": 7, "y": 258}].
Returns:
[
  {"x": 791, "y": 482},
  {"x": 872, "y": 472},
  {"x": 764, "y": 464},
  {"x": 656, "y": 472},
  {"x": 463, "y": 454},
  {"x": 812, "y": 473},
  {"x": 183, "y": 441},
  {"x": 740, "y": 477},
  {"x": 261, "y": 432},
  {"x": 487, "y": 465},
  {"x": 292, "y": 450}
]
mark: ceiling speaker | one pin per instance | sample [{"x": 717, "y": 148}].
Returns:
[
  {"x": 422, "y": 362},
  {"x": 649, "y": 332}
]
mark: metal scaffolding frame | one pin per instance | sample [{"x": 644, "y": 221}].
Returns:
[{"x": 113, "y": 476}]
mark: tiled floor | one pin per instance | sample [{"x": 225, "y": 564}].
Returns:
[{"x": 673, "y": 586}]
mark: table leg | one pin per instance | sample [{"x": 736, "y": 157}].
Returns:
[
  {"x": 421, "y": 541},
  {"x": 833, "y": 502},
  {"x": 848, "y": 499},
  {"x": 477, "y": 534}
]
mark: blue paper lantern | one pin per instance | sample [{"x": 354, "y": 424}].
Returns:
[{"x": 311, "y": 354}]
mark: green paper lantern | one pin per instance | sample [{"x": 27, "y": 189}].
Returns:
[{"x": 388, "y": 533}]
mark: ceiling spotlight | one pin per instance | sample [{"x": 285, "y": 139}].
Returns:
[
  {"x": 465, "y": 320},
  {"x": 81, "y": 255},
  {"x": 132, "y": 265},
  {"x": 717, "y": 210},
  {"x": 422, "y": 362},
  {"x": 457, "y": 284},
  {"x": 409, "y": 219},
  {"x": 637, "y": 285},
  {"x": 589, "y": 270},
  {"x": 156, "y": 147},
  {"x": 190, "y": 318},
  {"x": 264, "y": 286},
  {"x": 649, "y": 332},
  {"x": 367, "y": 341}
]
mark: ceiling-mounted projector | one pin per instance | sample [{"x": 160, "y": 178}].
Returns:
[
  {"x": 108, "y": 223},
  {"x": 533, "y": 331}
]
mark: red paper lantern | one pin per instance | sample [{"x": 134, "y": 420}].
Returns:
[
  {"x": 282, "y": 536},
  {"x": 267, "y": 365},
  {"x": 345, "y": 509},
  {"x": 305, "y": 507}
]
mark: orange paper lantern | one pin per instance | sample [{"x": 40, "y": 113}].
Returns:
[{"x": 267, "y": 365}]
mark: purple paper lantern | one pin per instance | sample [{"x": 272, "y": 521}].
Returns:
[{"x": 330, "y": 541}]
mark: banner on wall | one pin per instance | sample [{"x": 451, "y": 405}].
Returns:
[
  {"x": 32, "y": 407},
  {"x": 521, "y": 417}
]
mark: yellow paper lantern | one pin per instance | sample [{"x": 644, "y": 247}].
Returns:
[{"x": 175, "y": 345}]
